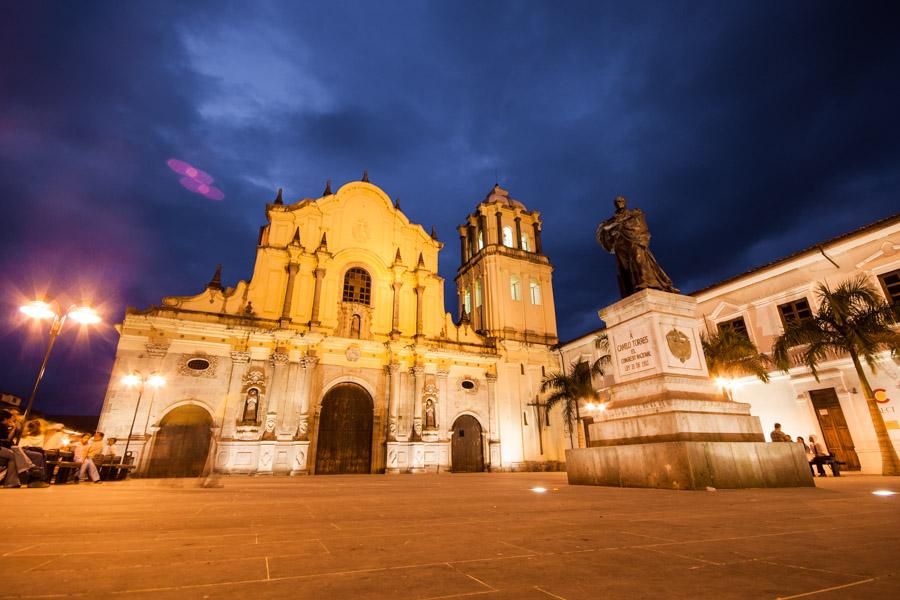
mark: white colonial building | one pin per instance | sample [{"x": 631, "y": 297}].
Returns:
[
  {"x": 760, "y": 301},
  {"x": 337, "y": 356}
]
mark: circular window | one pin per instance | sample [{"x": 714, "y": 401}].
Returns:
[
  {"x": 467, "y": 384},
  {"x": 198, "y": 364}
]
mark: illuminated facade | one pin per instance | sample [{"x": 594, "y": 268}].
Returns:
[{"x": 338, "y": 356}]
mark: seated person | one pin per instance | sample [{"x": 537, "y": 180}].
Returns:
[
  {"x": 820, "y": 454},
  {"x": 22, "y": 465},
  {"x": 95, "y": 448},
  {"x": 80, "y": 456},
  {"x": 110, "y": 448}
]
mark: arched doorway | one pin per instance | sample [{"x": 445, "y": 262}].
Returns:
[
  {"x": 466, "y": 452},
  {"x": 181, "y": 444},
  {"x": 345, "y": 431}
]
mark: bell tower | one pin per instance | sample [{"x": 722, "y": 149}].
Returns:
[{"x": 504, "y": 281}]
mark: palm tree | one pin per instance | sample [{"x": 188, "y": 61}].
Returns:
[
  {"x": 731, "y": 354},
  {"x": 853, "y": 319},
  {"x": 569, "y": 389}
]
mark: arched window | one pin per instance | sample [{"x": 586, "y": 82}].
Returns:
[
  {"x": 478, "y": 296},
  {"x": 357, "y": 286},
  {"x": 535, "y": 289},
  {"x": 526, "y": 244},
  {"x": 515, "y": 287},
  {"x": 467, "y": 302},
  {"x": 508, "y": 236},
  {"x": 480, "y": 239}
]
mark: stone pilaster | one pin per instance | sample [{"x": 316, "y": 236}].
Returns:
[
  {"x": 291, "y": 269},
  {"x": 394, "y": 401},
  {"x": 420, "y": 312},
  {"x": 493, "y": 422},
  {"x": 307, "y": 365},
  {"x": 395, "y": 314},
  {"x": 317, "y": 295},
  {"x": 442, "y": 425}
]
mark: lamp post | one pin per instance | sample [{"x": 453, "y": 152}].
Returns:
[
  {"x": 41, "y": 310},
  {"x": 136, "y": 378}
]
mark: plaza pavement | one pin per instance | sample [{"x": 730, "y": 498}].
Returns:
[{"x": 449, "y": 536}]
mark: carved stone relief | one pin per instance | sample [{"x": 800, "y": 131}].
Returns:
[{"x": 192, "y": 365}]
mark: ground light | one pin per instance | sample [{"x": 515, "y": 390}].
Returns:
[
  {"x": 538, "y": 490},
  {"x": 883, "y": 493}
]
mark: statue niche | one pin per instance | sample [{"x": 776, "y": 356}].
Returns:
[{"x": 251, "y": 407}]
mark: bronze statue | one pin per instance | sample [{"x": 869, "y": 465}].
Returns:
[{"x": 625, "y": 234}]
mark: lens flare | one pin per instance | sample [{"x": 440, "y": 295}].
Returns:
[
  {"x": 211, "y": 192},
  {"x": 183, "y": 168}
]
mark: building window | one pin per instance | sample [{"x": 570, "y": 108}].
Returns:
[
  {"x": 480, "y": 239},
  {"x": 736, "y": 325},
  {"x": 891, "y": 284},
  {"x": 514, "y": 287},
  {"x": 535, "y": 288},
  {"x": 526, "y": 244},
  {"x": 508, "y": 236},
  {"x": 357, "y": 286},
  {"x": 795, "y": 311},
  {"x": 478, "y": 293},
  {"x": 467, "y": 302}
]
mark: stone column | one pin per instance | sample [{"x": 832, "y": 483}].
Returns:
[
  {"x": 288, "y": 424},
  {"x": 494, "y": 422},
  {"x": 317, "y": 294},
  {"x": 473, "y": 249},
  {"x": 418, "y": 372},
  {"x": 499, "y": 216},
  {"x": 291, "y": 269},
  {"x": 519, "y": 233},
  {"x": 442, "y": 424},
  {"x": 240, "y": 362},
  {"x": 395, "y": 315},
  {"x": 537, "y": 238},
  {"x": 420, "y": 313},
  {"x": 307, "y": 365},
  {"x": 462, "y": 247},
  {"x": 275, "y": 403},
  {"x": 394, "y": 400},
  {"x": 482, "y": 229}
]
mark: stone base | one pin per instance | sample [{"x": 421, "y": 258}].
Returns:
[{"x": 691, "y": 465}]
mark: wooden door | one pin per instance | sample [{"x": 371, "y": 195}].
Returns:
[
  {"x": 835, "y": 432},
  {"x": 466, "y": 451},
  {"x": 344, "y": 442},
  {"x": 181, "y": 444}
]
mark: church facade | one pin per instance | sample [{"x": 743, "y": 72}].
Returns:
[{"x": 337, "y": 356}]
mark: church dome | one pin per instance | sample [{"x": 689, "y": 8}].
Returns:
[{"x": 498, "y": 194}]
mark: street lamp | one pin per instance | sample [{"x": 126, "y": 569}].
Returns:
[
  {"x": 133, "y": 379},
  {"x": 40, "y": 310}
]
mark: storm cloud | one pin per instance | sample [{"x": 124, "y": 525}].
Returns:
[{"x": 745, "y": 131}]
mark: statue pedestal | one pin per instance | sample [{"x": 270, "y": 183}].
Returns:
[{"x": 668, "y": 425}]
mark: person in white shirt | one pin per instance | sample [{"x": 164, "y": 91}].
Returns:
[
  {"x": 110, "y": 448},
  {"x": 80, "y": 450},
  {"x": 820, "y": 454}
]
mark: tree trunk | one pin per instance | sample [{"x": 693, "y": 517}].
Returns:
[
  {"x": 579, "y": 434},
  {"x": 890, "y": 463}
]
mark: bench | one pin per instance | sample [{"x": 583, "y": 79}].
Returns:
[
  {"x": 832, "y": 461},
  {"x": 64, "y": 470}
]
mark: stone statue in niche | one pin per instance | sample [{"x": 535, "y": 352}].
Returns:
[
  {"x": 430, "y": 422},
  {"x": 626, "y": 235},
  {"x": 251, "y": 406}
]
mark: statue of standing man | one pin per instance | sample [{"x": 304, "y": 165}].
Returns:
[{"x": 625, "y": 234}]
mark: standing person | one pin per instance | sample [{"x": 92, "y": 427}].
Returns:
[
  {"x": 777, "y": 435},
  {"x": 80, "y": 450},
  {"x": 820, "y": 454}
]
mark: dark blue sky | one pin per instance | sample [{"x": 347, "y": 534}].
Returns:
[{"x": 745, "y": 130}]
